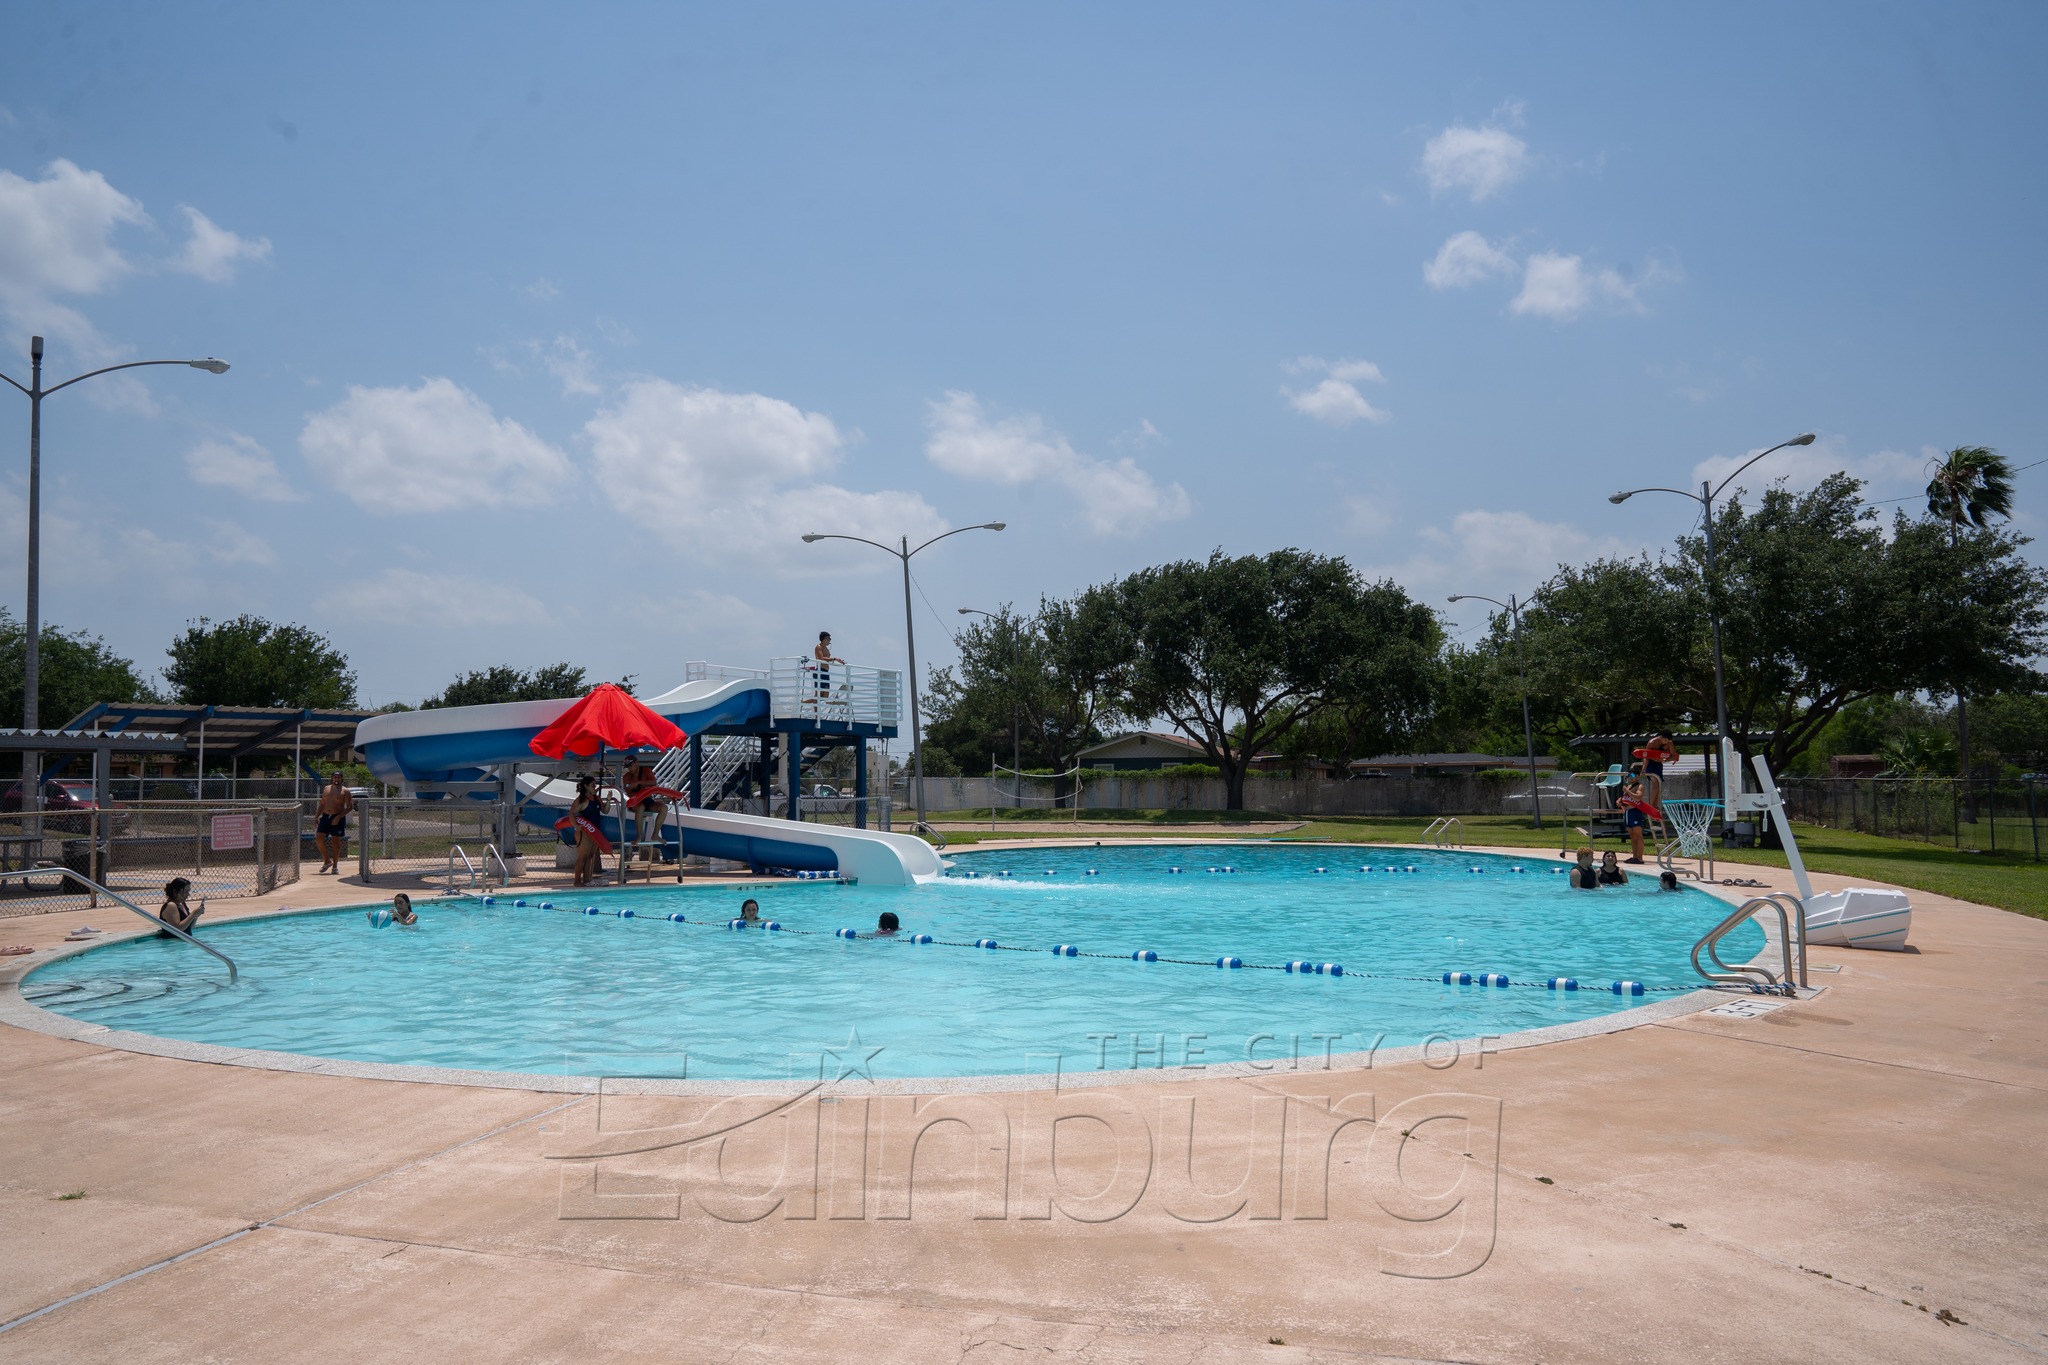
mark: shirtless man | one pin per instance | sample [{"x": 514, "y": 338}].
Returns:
[{"x": 330, "y": 829}]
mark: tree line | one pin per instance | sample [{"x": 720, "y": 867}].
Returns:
[
  {"x": 246, "y": 661},
  {"x": 1837, "y": 623}
]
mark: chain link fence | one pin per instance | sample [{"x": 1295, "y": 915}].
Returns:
[
  {"x": 1984, "y": 814},
  {"x": 225, "y": 850},
  {"x": 401, "y": 837}
]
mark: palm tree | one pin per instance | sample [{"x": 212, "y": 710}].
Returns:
[{"x": 1971, "y": 485}]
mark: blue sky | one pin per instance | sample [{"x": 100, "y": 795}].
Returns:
[{"x": 553, "y": 328}]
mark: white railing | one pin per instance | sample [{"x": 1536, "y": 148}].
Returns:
[
  {"x": 804, "y": 689},
  {"x": 696, "y": 670}
]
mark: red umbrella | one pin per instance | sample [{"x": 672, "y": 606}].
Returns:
[{"x": 608, "y": 718}]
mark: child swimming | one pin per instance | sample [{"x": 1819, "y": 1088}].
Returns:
[{"x": 887, "y": 924}]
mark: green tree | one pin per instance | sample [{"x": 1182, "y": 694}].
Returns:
[
  {"x": 502, "y": 683},
  {"x": 1239, "y": 653},
  {"x": 77, "y": 669},
  {"x": 251, "y": 662},
  {"x": 1971, "y": 485},
  {"x": 1057, "y": 676}
]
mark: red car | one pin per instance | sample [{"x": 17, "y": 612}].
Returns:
[{"x": 59, "y": 795}]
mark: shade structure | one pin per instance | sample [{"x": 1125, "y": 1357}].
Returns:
[{"x": 608, "y": 718}]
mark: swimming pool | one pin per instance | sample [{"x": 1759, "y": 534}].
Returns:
[{"x": 503, "y": 988}]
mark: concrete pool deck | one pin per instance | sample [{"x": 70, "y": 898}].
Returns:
[{"x": 1796, "y": 1184}]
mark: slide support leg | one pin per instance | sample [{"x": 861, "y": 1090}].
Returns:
[{"x": 860, "y": 783}]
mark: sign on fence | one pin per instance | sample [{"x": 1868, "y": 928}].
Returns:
[{"x": 234, "y": 830}]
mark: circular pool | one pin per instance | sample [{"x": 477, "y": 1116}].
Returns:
[{"x": 1089, "y": 959}]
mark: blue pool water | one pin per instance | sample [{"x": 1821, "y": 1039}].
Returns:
[{"x": 508, "y": 989}]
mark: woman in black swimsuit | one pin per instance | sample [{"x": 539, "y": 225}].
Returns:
[{"x": 587, "y": 806}]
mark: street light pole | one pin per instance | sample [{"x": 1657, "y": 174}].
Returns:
[
  {"x": 1514, "y": 610},
  {"x": 1705, "y": 498},
  {"x": 904, "y": 553},
  {"x": 1016, "y": 723},
  {"x": 31, "y": 671}
]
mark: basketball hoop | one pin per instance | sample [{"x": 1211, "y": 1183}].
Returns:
[{"x": 1691, "y": 820}]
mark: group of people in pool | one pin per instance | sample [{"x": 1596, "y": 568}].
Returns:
[{"x": 1587, "y": 876}]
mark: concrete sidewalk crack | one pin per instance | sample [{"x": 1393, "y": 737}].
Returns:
[{"x": 1842, "y": 1056}]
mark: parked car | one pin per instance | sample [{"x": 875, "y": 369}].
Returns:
[
  {"x": 828, "y": 800},
  {"x": 66, "y": 803}
]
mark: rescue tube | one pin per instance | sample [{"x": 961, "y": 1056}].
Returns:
[
  {"x": 645, "y": 794},
  {"x": 584, "y": 826}
]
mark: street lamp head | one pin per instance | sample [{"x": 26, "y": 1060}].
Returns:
[
  {"x": 216, "y": 366},
  {"x": 1619, "y": 497},
  {"x": 1805, "y": 440},
  {"x": 810, "y": 539},
  {"x": 1457, "y": 597},
  {"x": 992, "y": 525},
  {"x": 35, "y": 348}
]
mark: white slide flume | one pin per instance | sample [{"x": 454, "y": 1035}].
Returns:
[{"x": 873, "y": 857}]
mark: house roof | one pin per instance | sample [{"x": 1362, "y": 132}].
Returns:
[
  {"x": 1171, "y": 741},
  {"x": 1448, "y": 761}
]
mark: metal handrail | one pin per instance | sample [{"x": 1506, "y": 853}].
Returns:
[
  {"x": 504, "y": 868},
  {"x": 234, "y": 973},
  {"x": 455, "y": 851},
  {"x": 1794, "y": 970},
  {"x": 1440, "y": 829}
]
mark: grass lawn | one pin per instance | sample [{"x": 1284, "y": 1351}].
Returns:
[{"x": 2007, "y": 880}]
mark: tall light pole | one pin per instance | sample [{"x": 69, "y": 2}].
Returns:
[
  {"x": 1016, "y": 672},
  {"x": 31, "y": 673},
  {"x": 1513, "y": 607},
  {"x": 1705, "y": 498},
  {"x": 910, "y": 637}
]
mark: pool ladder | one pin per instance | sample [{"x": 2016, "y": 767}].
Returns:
[
  {"x": 173, "y": 930},
  {"x": 1751, "y": 975},
  {"x": 1446, "y": 831},
  {"x": 491, "y": 855}
]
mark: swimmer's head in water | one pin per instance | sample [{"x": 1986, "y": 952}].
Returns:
[
  {"x": 1667, "y": 881},
  {"x": 176, "y": 887},
  {"x": 888, "y": 924},
  {"x": 1586, "y": 855},
  {"x": 401, "y": 901},
  {"x": 750, "y": 908}
]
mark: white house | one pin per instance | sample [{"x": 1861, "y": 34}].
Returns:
[{"x": 1144, "y": 749}]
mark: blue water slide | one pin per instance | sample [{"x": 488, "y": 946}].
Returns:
[{"x": 456, "y": 743}]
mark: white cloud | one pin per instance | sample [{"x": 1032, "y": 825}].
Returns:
[
  {"x": 1888, "y": 473},
  {"x": 1562, "y": 287},
  {"x": 211, "y": 252},
  {"x": 1336, "y": 401},
  {"x": 57, "y": 239},
  {"x": 239, "y": 463},
  {"x": 1497, "y": 553},
  {"x": 572, "y": 365},
  {"x": 541, "y": 290},
  {"x": 232, "y": 544},
  {"x": 408, "y": 597},
  {"x": 433, "y": 448},
  {"x": 1478, "y": 161},
  {"x": 740, "y": 474},
  {"x": 1466, "y": 258},
  {"x": 1115, "y": 496},
  {"x": 1366, "y": 516}
]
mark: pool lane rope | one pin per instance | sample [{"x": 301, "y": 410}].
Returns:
[{"x": 1300, "y": 966}]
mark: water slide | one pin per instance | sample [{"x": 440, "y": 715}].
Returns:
[{"x": 463, "y": 744}]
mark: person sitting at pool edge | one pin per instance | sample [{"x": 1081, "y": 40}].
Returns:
[
  {"x": 1610, "y": 870},
  {"x": 176, "y": 911},
  {"x": 1585, "y": 876},
  {"x": 888, "y": 924},
  {"x": 401, "y": 910},
  {"x": 750, "y": 910}
]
